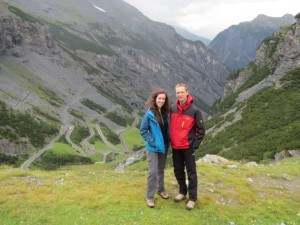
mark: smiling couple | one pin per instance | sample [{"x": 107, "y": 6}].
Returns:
[{"x": 180, "y": 126}]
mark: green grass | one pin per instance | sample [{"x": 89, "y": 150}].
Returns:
[
  {"x": 89, "y": 194},
  {"x": 133, "y": 138},
  {"x": 59, "y": 155},
  {"x": 101, "y": 146}
]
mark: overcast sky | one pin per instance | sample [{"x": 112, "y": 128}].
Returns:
[{"x": 207, "y": 18}]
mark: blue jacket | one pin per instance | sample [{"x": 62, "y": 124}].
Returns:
[{"x": 151, "y": 132}]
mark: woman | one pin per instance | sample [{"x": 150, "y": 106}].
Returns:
[{"x": 155, "y": 131}]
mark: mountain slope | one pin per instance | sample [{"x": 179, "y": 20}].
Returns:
[
  {"x": 91, "y": 61},
  {"x": 236, "y": 46},
  {"x": 261, "y": 115},
  {"x": 135, "y": 49}
]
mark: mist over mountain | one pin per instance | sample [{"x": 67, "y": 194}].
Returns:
[
  {"x": 190, "y": 36},
  {"x": 236, "y": 46}
]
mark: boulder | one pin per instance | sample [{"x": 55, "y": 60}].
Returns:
[
  {"x": 215, "y": 159},
  {"x": 287, "y": 153}
]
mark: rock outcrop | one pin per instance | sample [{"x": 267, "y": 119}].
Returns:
[{"x": 279, "y": 55}]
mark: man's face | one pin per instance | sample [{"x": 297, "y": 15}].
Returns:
[{"x": 181, "y": 94}]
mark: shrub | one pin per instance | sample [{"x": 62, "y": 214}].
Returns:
[
  {"x": 110, "y": 135},
  {"x": 94, "y": 106}
]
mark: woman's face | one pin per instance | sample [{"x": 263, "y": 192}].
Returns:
[{"x": 160, "y": 100}]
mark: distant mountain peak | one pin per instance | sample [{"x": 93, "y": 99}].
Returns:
[{"x": 236, "y": 46}]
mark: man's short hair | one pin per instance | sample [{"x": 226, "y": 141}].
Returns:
[{"x": 182, "y": 85}]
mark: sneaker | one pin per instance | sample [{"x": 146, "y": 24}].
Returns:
[
  {"x": 179, "y": 198},
  {"x": 190, "y": 205},
  {"x": 150, "y": 203},
  {"x": 164, "y": 195}
]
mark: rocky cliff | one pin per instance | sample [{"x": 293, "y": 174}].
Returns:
[
  {"x": 124, "y": 49},
  {"x": 277, "y": 55}
]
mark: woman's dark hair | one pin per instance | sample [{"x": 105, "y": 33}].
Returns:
[{"x": 152, "y": 104}]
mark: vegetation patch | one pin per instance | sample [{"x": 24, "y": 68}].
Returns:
[
  {"x": 234, "y": 74},
  {"x": 79, "y": 133},
  {"x": 226, "y": 104},
  {"x": 16, "y": 124},
  {"x": 114, "y": 98},
  {"x": 44, "y": 114},
  {"x": 258, "y": 74},
  {"x": 94, "y": 106},
  {"x": 13, "y": 160},
  {"x": 119, "y": 119},
  {"x": 24, "y": 16},
  {"x": 273, "y": 42},
  {"x": 60, "y": 155},
  {"x": 75, "y": 42},
  {"x": 270, "y": 123},
  {"x": 76, "y": 113},
  {"x": 110, "y": 135}
]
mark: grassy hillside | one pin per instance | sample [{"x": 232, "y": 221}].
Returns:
[
  {"x": 133, "y": 139},
  {"x": 96, "y": 194},
  {"x": 270, "y": 123}
]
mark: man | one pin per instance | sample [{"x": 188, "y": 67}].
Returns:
[{"x": 187, "y": 131}]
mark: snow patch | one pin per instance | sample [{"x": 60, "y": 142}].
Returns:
[{"x": 99, "y": 8}]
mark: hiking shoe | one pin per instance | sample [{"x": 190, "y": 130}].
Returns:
[
  {"x": 150, "y": 203},
  {"x": 179, "y": 198},
  {"x": 164, "y": 195},
  {"x": 190, "y": 205}
]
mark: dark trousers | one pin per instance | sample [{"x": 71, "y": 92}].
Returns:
[{"x": 185, "y": 158}]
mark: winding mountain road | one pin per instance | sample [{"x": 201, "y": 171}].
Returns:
[
  {"x": 25, "y": 165},
  {"x": 74, "y": 146},
  {"x": 134, "y": 123},
  {"x": 106, "y": 142}
]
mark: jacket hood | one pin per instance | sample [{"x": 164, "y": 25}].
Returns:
[
  {"x": 151, "y": 115},
  {"x": 183, "y": 107}
]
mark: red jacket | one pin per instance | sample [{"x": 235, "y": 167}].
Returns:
[{"x": 186, "y": 127}]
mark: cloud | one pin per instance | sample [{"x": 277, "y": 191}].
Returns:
[{"x": 209, "y": 17}]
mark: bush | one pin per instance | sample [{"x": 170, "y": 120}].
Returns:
[
  {"x": 16, "y": 124},
  {"x": 94, "y": 106},
  {"x": 118, "y": 119},
  {"x": 79, "y": 133},
  {"x": 110, "y": 135}
]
